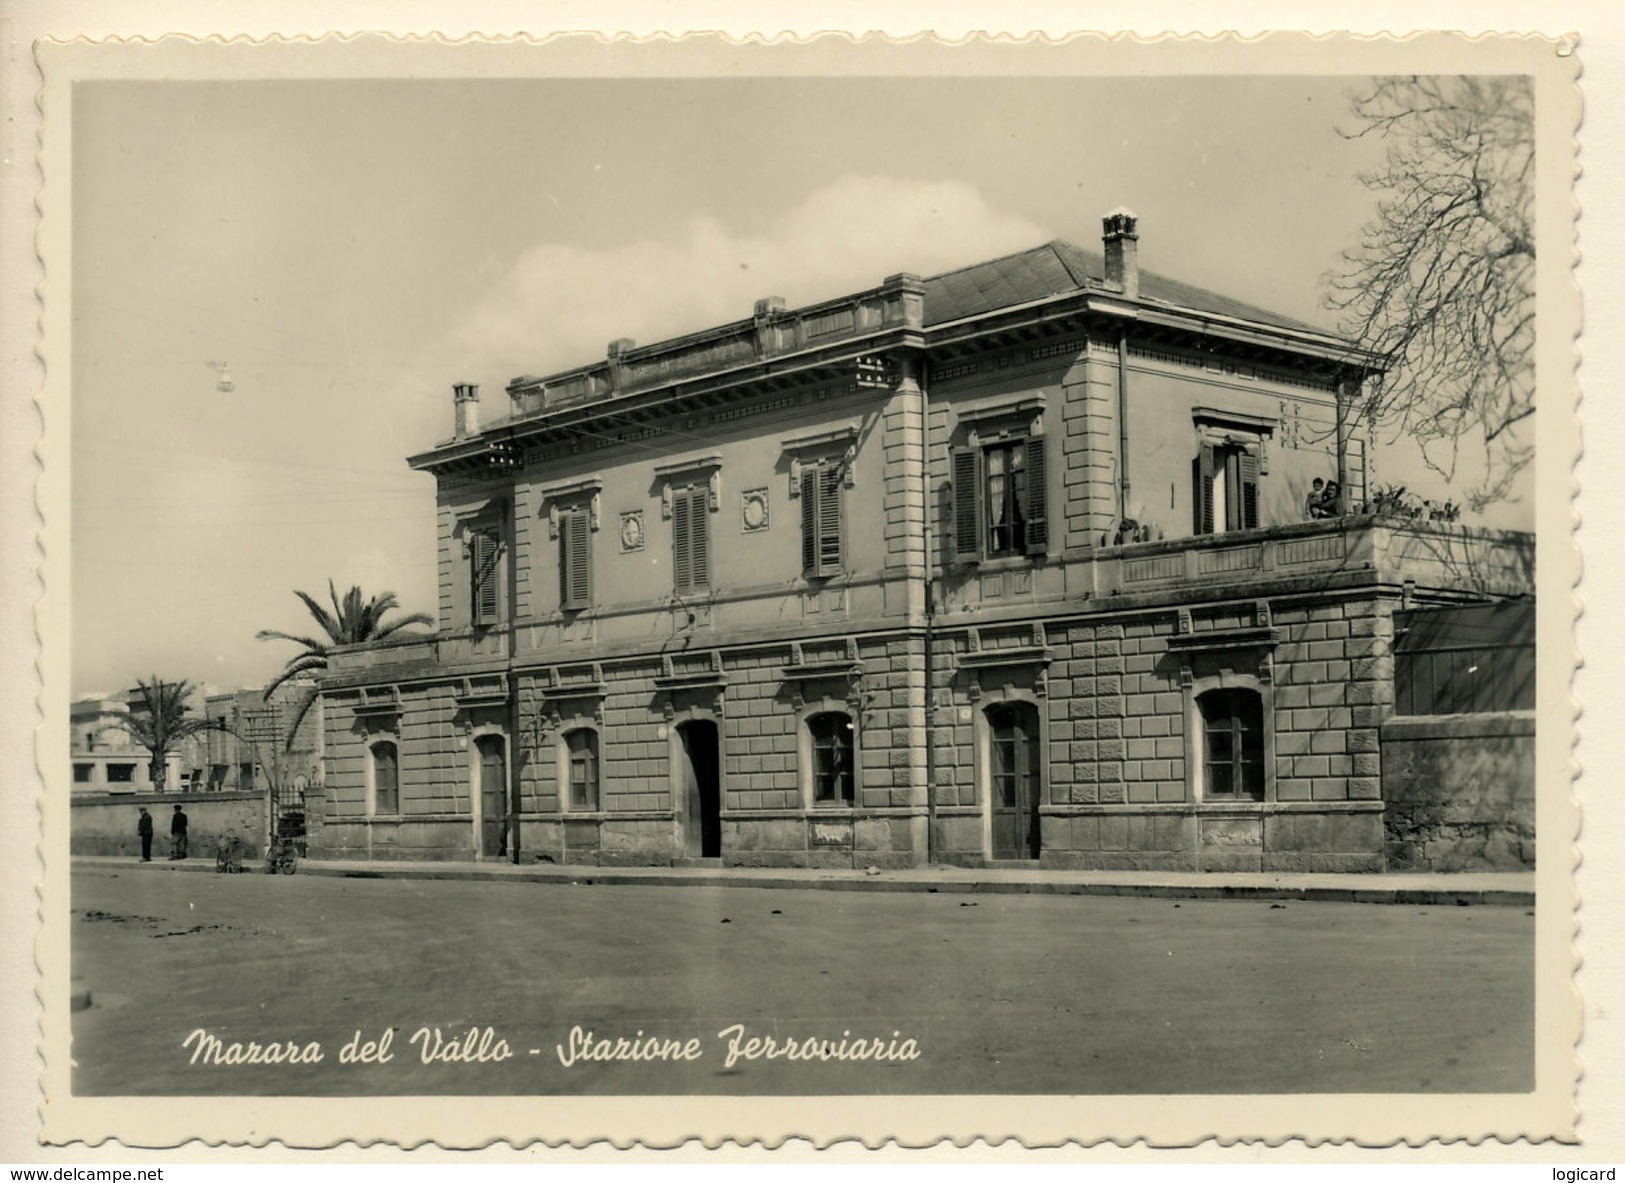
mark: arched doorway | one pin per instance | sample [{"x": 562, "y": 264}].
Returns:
[
  {"x": 698, "y": 789},
  {"x": 1014, "y": 780},
  {"x": 491, "y": 772}
]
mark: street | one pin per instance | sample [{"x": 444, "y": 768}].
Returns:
[{"x": 348, "y": 986}]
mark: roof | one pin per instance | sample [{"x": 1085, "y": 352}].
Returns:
[{"x": 1057, "y": 268}]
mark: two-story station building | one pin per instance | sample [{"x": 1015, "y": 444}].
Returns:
[{"x": 1024, "y": 561}]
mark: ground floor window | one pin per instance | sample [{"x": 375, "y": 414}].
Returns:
[
  {"x": 120, "y": 774},
  {"x": 581, "y": 747},
  {"x": 832, "y": 762},
  {"x": 1233, "y": 744},
  {"x": 83, "y": 774},
  {"x": 386, "y": 792}
]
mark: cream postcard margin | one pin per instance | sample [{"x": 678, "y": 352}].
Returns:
[{"x": 1549, "y": 1112}]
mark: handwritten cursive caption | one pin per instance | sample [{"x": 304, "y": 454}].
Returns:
[{"x": 482, "y": 1045}]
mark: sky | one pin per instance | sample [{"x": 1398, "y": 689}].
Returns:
[{"x": 347, "y": 250}]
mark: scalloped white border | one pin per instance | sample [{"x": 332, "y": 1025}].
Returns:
[{"x": 908, "y": 1121}]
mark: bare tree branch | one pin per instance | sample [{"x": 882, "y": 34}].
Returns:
[{"x": 1441, "y": 285}]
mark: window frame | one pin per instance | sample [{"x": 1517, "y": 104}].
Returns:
[
  {"x": 823, "y": 518},
  {"x": 1238, "y": 464},
  {"x": 972, "y": 532},
  {"x": 567, "y": 770},
  {"x": 1233, "y": 726},
  {"x": 376, "y": 803},
  {"x": 1196, "y": 779},
  {"x": 575, "y": 558},
  {"x": 807, "y": 711},
  {"x": 691, "y": 538},
  {"x": 485, "y": 546},
  {"x": 837, "y": 775}
]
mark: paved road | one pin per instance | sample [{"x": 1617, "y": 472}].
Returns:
[{"x": 999, "y": 993}]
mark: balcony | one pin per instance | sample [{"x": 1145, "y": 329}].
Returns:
[{"x": 1440, "y": 555}]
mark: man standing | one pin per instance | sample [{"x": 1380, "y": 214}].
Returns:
[
  {"x": 177, "y": 834},
  {"x": 144, "y": 828}
]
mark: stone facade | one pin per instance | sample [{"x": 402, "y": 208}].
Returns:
[
  {"x": 920, "y": 574},
  {"x": 1460, "y": 792}
]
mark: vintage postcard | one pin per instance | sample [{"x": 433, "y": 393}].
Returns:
[{"x": 644, "y": 590}]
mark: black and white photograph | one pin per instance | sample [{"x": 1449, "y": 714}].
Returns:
[{"x": 630, "y": 588}]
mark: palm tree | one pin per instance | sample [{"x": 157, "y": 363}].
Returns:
[
  {"x": 159, "y": 721},
  {"x": 351, "y": 622}
]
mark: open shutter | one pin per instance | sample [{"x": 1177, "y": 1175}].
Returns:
[
  {"x": 682, "y": 544},
  {"x": 809, "y": 520},
  {"x": 1204, "y": 490},
  {"x": 829, "y": 520},
  {"x": 967, "y": 475},
  {"x": 1249, "y": 491},
  {"x": 699, "y": 523},
  {"x": 483, "y": 560},
  {"x": 1037, "y": 498},
  {"x": 575, "y": 562}
]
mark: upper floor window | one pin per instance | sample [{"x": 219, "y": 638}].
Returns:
[
  {"x": 1232, "y": 453},
  {"x": 832, "y": 764},
  {"x": 1233, "y": 744},
  {"x": 581, "y": 748},
  {"x": 485, "y": 593},
  {"x": 1000, "y": 499},
  {"x": 575, "y": 559},
  {"x": 821, "y": 524},
  {"x": 572, "y": 509},
  {"x": 1227, "y": 488},
  {"x": 690, "y": 539}
]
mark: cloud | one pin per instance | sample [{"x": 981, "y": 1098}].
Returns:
[{"x": 559, "y": 305}]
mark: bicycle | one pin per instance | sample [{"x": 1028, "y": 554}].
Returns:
[
  {"x": 283, "y": 856},
  {"x": 228, "y": 856}
]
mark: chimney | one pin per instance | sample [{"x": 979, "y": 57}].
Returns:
[
  {"x": 1122, "y": 252},
  {"x": 466, "y": 396}
]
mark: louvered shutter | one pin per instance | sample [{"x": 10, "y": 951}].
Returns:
[
  {"x": 1037, "y": 498},
  {"x": 699, "y": 541},
  {"x": 575, "y": 561},
  {"x": 809, "y": 520},
  {"x": 829, "y": 520},
  {"x": 1249, "y": 491},
  {"x": 682, "y": 547},
  {"x": 967, "y": 476},
  {"x": 483, "y": 561},
  {"x": 1204, "y": 490}
]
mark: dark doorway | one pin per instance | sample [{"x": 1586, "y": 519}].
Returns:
[
  {"x": 700, "y": 789},
  {"x": 493, "y": 785},
  {"x": 1013, "y": 766}
]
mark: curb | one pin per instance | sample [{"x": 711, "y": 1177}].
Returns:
[{"x": 1362, "y": 892}]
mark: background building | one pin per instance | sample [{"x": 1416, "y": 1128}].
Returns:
[{"x": 1041, "y": 560}]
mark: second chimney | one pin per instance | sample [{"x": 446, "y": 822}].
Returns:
[
  {"x": 1122, "y": 252},
  {"x": 466, "y": 396}
]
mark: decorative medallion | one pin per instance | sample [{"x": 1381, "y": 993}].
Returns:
[
  {"x": 632, "y": 530},
  {"x": 754, "y": 510}
]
